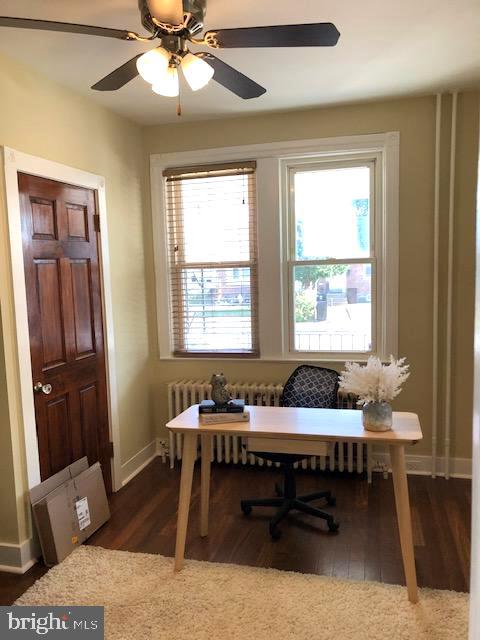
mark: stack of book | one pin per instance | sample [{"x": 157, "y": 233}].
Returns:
[{"x": 233, "y": 411}]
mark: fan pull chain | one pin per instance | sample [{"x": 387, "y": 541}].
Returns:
[{"x": 179, "y": 105}]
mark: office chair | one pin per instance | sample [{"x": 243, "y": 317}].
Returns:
[{"x": 308, "y": 386}]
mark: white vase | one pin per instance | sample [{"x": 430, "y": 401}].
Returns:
[{"x": 377, "y": 416}]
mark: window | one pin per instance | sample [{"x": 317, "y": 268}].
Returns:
[
  {"x": 331, "y": 261},
  {"x": 211, "y": 221},
  {"x": 324, "y": 285}
]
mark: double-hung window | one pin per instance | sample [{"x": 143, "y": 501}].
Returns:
[
  {"x": 211, "y": 237},
  {"x": 332, "y": 269},
  {"x": 324, "y": 285}
]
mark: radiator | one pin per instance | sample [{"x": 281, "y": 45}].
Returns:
[{"x": 342, "y": 456}]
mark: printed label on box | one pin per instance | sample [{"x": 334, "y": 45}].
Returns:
[{"x": 83, "y": 513}]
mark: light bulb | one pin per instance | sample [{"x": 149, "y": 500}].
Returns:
[
  {"x": 167, "y": 83},
  {"x": 153, "y": 64},
  {"x": 197, "y": 72}
]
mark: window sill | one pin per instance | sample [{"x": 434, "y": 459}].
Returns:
[{"x": 278, "y": 359}]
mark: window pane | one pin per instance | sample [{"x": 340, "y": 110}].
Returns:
[
  {"x": 333, "y": 308},
  {"x": 216, "y": 218},
  {"x": 332, "y": 213},
  {"x": 211, "y": 222},
  {"x": 217, "y": 309}
]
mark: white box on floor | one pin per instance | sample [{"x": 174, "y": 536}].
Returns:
[{"x": 68, "y": 508}]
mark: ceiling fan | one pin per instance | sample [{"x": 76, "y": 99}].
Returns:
[{"x": 176, "y": 24}]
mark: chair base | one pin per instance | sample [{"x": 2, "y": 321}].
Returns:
[{"x": 288, "y": 500}]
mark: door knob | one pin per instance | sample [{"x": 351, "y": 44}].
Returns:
[{"x": 45, "y": 388}]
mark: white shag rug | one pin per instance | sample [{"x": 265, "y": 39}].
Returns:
[{"x": 144, "y": 599}]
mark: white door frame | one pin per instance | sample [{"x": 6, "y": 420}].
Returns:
[{"x": 13, "y": 301}]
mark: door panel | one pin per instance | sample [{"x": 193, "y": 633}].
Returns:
[
  {"x": 50, "y": 304},
  {"x": 65, "y": 322},
  {"x": 77, "y": 222},
  {"x": 82, "y": 308},
  {"x": 44, "y": 219}
]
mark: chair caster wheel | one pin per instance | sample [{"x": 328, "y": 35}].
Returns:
[
  {"x": 275, "y": 532},
  {"x": 278, "y": 490},
  {"x": 246, "y": 508},
  {"x": 332, "y": 502},
  {"x": 333, "y": 526}
]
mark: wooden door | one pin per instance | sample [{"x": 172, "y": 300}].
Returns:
[{"x": 65, "y": 322}]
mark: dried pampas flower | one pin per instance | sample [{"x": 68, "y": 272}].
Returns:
[{"x": 374, "y": 382}]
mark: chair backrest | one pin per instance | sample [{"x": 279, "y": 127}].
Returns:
[{"x": 310, "y": 386}]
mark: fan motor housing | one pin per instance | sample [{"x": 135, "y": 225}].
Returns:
[{"x": 197, "y": 9}]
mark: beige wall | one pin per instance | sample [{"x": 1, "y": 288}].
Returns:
[
  {"x": 415, "y": 120},
  {"x": 40, "y": 118},
  {"x": 8, "y": 519}
]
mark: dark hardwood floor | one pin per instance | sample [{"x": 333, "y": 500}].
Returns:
[{"x": 366, "y": 547}]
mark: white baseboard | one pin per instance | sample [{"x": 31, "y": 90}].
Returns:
[
  {"x": 18, "y": 558},
  {"x": 422, "y": 465},
  {"x": 139, "y": 461}
]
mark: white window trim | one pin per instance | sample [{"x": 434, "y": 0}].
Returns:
[
  {"x": 375, "y": 162},
  {"x": 273, "y": 331}
]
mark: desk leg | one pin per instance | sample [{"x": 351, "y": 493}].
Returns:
[
  {"x": 397, "y": 457},
  {"x": 188, "y": 461},
  {"x": 205, "y": 483}
]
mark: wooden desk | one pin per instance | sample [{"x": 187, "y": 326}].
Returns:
[{"x": 306, "y": 428}]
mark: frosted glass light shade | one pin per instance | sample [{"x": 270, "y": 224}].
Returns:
[
  {"x": 167, "y": 83},
  {"x": 153, "y": 64},
  {"x": 196, "y": 71}
]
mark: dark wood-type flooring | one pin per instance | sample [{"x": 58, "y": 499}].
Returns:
[{"x": 366, "y": 548}]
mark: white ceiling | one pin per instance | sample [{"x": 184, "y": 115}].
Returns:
[{"x": 387, "y": 48}]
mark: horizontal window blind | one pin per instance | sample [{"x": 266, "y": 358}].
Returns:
[{"x": 211, "y": 233}]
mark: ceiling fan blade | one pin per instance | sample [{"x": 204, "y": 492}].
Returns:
[
  {"x": 322, "y": 34},
  {"x": 66, "y": 27},
  {"x": 232, "y": 79},
  {"x": 169, "y": 11},
  {"x": 119, "y": 77}
]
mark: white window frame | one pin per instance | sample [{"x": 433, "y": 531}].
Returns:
[
  {"x": 373, "y": 162},
  {"x": 272, "y": 244}
]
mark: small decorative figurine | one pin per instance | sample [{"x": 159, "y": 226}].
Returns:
[{"x": 220, "y": 395}]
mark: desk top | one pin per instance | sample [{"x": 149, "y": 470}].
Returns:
[{"x": 299, "y": 423}]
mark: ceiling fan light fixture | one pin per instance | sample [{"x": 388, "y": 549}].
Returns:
[
  {"x": 167, "y": 84},
  {"x": 153, "y": 64},
  {"x": 196, "y": 71},
  {"x": 176, "y": 23}
]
